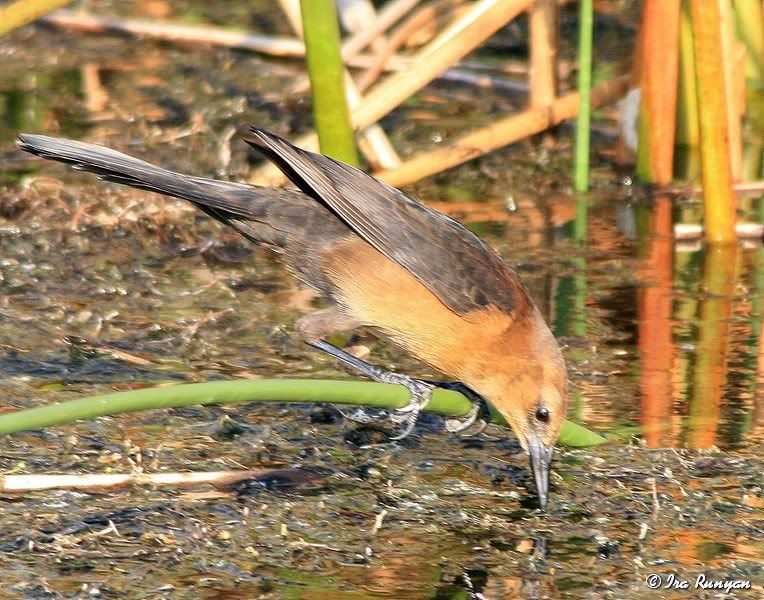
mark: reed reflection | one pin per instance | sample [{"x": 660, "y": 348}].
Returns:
[
  {"x": 654, "y": 327},
  {"x": 720, "y": 264},
  {"x": 686, "y": 305}
]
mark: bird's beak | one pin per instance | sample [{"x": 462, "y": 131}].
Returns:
[{"x": 541, "y": 462}]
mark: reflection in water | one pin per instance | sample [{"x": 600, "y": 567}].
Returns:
[
  {"x": 698, "y": 343},
  {"x": 39, "y": 101},
  {"x": 569, "y": 317},
  {"x": 570, "y": 296},
  {"x": 709, "y": 372},
  {"x": 656, "y": 349},
  {"x": 695, "y": 548},
  {"x": 757, "y": 338},
  {"x": 685, "y": 303}
]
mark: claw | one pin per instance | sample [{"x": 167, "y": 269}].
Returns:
[
  {"x": 421, "y": 393},
  {"x": 457, "y": 426},
  {"x": 358, "y": 416},
  {"x": 480, "y": 413}
]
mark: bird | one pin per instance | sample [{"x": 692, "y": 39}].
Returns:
[{"x": 382, "y": 260}]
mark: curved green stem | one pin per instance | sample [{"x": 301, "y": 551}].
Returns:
[{"x": 359, "y": 393}]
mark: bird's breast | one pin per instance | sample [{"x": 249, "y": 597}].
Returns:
[{"x": 380, "y": 293}]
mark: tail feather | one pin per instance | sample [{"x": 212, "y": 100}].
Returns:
[
  {"x": 110, "y": 165},
  {"x": 286, "y": 221}
]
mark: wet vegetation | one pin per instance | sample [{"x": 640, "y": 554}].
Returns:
[{"x": 105, "y": 289}]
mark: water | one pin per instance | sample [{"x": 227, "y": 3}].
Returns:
[{"x": 103, "y": 288}]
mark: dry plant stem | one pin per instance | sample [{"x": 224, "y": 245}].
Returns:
[
  {"x": 659, "y": 65},
  {"x": 390, "y": 14},
  {"x": 742, "y": 187},
  {"x": 274, "y": 46},
  {"x": 694, "y": 231},
  {"x": 421, "y": 18},
  {"x": 373, "y": 141},
  {"x": 193, "y": 34},
  {"x": 543, "y": 52},
  {"x": 19, "y": 13},
  {"x": 28, "y": 483},
  {"x": 510, "y": 67},
  {"x": 512, "y": 86},
  {"x": 481, "y": 21},
  {"x": 718, "y": 198},
  {"x": 355, "y": 16},
  {"x": 501, "y": 133}
]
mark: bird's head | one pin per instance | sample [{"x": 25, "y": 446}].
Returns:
[{"x": 531, "y": 392}]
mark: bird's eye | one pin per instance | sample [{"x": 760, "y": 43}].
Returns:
[{"x": 542, "y": 414}]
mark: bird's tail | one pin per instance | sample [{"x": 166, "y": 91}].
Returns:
[
  {"x": 286, "y": 221},
  {"x": 266, "y": 211},
  {"x": 114, "y": 166}
]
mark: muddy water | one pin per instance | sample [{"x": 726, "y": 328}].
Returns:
[{"x": 103, "y": 289}]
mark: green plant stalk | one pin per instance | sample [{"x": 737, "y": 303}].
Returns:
[
  {"x": 579, "y": 298},
  {"x": 583, "y": 122},
  {"x": 749, "y": 21},
  {"x": 327, "y": 80},
  {"x": 581, "y": 222},
  {"x": 358, "y": 393},
  {"x": 642, "y": 166},
  {"x": 686, "y": 155},
  {"x": 19, "y": 13},
  {"x": 752, "y": 160}
]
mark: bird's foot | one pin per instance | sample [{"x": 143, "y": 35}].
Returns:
[
  {"x": 479, "y": 415},
  {"x": 421, "y": 393},
  {"x": 458, "y": 426}
]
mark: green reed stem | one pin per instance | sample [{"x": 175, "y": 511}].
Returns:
[
  {"x": 749, "y": 19},
  {"x": 325, "y": 68},
  {"x": 583, "y": 122},
  {"x": 357, "y": 393}
]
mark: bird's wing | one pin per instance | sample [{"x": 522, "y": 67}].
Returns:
[{"x": 456, "y": 266}]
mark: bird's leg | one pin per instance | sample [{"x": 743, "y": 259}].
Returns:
[
  {"x": 421, "y": 391},
  {"x": 315, "y": 326}
]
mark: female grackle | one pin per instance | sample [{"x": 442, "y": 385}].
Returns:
[{"x": 385, "y": 261}]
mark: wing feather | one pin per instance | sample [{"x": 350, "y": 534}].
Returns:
[{"x": 453, "y": 263}]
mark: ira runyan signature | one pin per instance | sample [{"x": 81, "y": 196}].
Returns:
[{"x": 673, "y": 581}]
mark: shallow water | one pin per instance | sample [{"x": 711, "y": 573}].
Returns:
[{"x": 103, "y": 288}]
